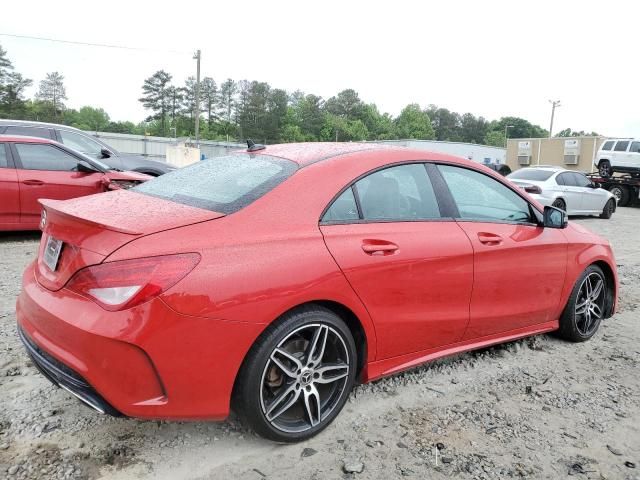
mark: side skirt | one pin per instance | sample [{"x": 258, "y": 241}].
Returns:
[{"x": 389, "y": 366}]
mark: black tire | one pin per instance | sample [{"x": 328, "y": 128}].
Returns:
[
  {"x": 559, "y": 203},
  {"x": 604, "y": 169},
  {"x": 574, "y": 326},
  {"x": 608, "y": 209},
  {"x": 261, "y": 376},
  {"x": 622, "y": 194}
]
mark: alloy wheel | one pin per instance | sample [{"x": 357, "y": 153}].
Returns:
[
  {"x": 590, "y": 303},
  {"x": 604, "y": 169},
  {"x": 304, "y": 378}
]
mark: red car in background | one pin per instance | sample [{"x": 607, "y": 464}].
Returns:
[
  {"x": 33, "y": 168},
  {"x": 271, "y": 280}
]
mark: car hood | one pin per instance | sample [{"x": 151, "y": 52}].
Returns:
[
  {"x": 132, "y": 176},
  {"x": 137, "y": 162}
]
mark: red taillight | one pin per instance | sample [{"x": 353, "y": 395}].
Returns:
[{"x": 126, "y": 283}]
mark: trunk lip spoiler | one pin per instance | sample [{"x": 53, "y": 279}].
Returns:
[{"x": 49, "y": 204}]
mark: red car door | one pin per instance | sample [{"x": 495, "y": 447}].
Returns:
[
  {"x": 519, "y": 266},
  {"x": 411, "y": 268},
  {"x": 46, "y": 171},
  {"x": 9, "y": 191}
]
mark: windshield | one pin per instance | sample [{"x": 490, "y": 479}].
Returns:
[
  {"x": 531, "y": 174},
  {"x": 223, "y": 184}
]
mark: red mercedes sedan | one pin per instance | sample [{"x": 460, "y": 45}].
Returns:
[
  {"x": 33, "y": 168},
  {"x": 271, "y": 280}
]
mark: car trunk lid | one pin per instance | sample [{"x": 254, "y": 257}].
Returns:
[{"x": 91, "y": 228}]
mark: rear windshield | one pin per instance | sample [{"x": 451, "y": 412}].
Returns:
[
  {"x": 222, "y": 184},
  {"x": 530, "y": 174}
]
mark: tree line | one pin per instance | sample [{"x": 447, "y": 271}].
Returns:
[{"x": 237, "y": 110}]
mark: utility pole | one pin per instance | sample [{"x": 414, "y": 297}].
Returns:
[
  {"x": 196, "y": 57},
  {"x": 554, "y": 104}
]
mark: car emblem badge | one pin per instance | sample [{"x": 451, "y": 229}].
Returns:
[{"x": 43, "y": 219}]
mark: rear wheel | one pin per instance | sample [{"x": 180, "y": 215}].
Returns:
[
  {"x": 298, "y": 375},
  {"x": 622, "y": 194},
  {"x": 586, "y": 307},
  {"x": 609, "y": 208},
  {"x": 604, "y": 169},
  {"x": 559, "y": 203}
]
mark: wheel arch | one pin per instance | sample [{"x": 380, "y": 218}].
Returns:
[
  {"x": 345, "y": 313},
  {"x": 611, "y": 280}
]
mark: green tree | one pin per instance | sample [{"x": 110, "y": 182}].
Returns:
[
  {"x": 156, "y": 97},
  {"x": 446, "y": 124},
  {"x": 209, "y": 95},
  {"x": 567, "y": 132},
  {"x": 226, "y": 106},
  {"x": 88, "y": 118},
  {"x": 413, "y": 122},
  {"x": 473, "y": 129},
  {"x": 494, "y": 138},
  {"x": 519, "y": 128},
  {"x": 346, "y": 104},
  {"x": 52, "y": 92}
]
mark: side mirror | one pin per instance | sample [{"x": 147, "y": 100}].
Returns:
[
  {"x": 555, "y": 218},
  {"x": 595, "y": 185},
  {"x": 105, "y": 153},
  {"x": 85, "y": 167}
]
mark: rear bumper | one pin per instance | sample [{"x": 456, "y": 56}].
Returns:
[
  {"x": 147, "y": 362},
  {"x": 64, "y": 377}
]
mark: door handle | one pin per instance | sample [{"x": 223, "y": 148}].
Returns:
[
  {"x": 386, "y": 248},
  {"x": 33, "y": 182},
  {"x": 489, "y": 238}
]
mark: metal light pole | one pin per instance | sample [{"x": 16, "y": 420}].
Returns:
[
  {"x": 554, "y": 104},
  {"x": 197, "y": 105},
  {"x": 506, "y": 128}
]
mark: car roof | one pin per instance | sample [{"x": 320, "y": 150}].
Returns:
[
  {"x": 28, "y": 123},
  {"x": 312, "y": 152},
  {"x": 25, "y": 139}
]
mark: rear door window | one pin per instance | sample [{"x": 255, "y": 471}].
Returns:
[
  {"x": 401, "y": 193},
  {"x": 621, "y": 146},
  {"x": 28, "y": 131},
  {"x": 608, "y": 145},
  {"x": 222, "y": 184},
  {"x": 39, "y": 156}
]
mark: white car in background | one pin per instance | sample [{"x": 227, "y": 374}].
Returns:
[
  {"x": 618, "y": 155},
  {"x": 570, "y": 191}
]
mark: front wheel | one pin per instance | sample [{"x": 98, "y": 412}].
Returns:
[
  {"x": 587, "y": 306},
  {"x": 608, "y": 209},
  {"x": 298, "y": 375}
]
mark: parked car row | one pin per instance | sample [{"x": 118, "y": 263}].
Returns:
[
  {"x": 34, "y": 168},
  {"x": 90, "y": 146}
]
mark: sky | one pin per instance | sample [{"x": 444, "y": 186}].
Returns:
[{"x": 490, "y": 58}]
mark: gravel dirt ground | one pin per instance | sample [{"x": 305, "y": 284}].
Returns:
[{"x": 536, "y": 408}]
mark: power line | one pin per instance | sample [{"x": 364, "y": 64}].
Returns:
[{"x": 89, "y": 44}]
